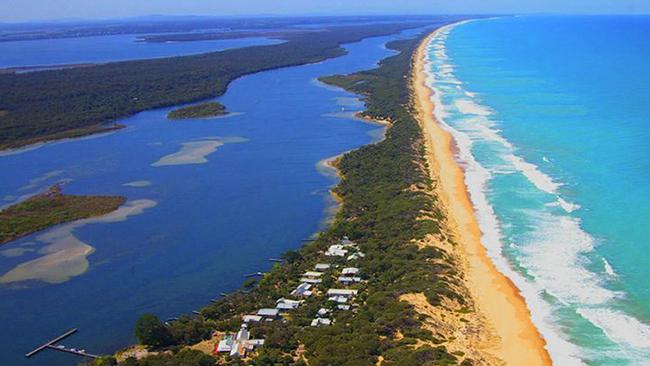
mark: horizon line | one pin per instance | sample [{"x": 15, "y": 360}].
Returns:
[{"x": 303, "y": 15}]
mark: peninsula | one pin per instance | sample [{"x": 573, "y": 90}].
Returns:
[
  {"x": 55, "y": 104},
  {"x": 51, "y": 208},
  {"x": 386, "y": 283}
]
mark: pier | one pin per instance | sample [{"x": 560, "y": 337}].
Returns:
[{"x": 52, "y": 345}]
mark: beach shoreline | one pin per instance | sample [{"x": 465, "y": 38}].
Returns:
[{"x": 497, "y": 300}]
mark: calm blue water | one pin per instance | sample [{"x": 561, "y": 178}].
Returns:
[
  {"x": 552, "y": 118},
  {"x": 99, "y": 49},
  {"x": 200, "y": 227}
]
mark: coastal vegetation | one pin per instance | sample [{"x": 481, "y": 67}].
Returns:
[
  {"x": 63, "y": 103},
  {"x": 390, "y": 211},
  {"x": 203, "y": 110},
  {"x": 51, "y": 208}
]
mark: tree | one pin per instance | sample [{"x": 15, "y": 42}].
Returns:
[{"x": 150, "y": 331}]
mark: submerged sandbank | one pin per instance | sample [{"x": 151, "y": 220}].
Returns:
[
  {"x": 516, "y": 339},
  {"x": 65, "y": 256}
]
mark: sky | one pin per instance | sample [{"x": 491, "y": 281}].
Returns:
[{"x": 29, "y": 10}]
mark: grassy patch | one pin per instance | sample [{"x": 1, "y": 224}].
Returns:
[
  {"x": 203, "y": 110},
  {"x": 49, "y": 209}
]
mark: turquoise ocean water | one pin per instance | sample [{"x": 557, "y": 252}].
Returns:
[{"x": 552, "y": 122}]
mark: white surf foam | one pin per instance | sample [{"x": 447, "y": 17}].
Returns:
[
  {"x": 554, "y": 251},
  {"x": 621, "y": 328},
  {"x": 467, "y": 106},
  {"x": 568, "y": 207},
  {"x": 608, "y": 268},
  {"x": 540, "y": 180},
  {"x": 476, "y": 178}
]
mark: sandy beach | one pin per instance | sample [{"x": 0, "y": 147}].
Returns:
[{"x": 515, "y": 339}]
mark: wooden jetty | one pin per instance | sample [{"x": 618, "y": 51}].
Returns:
[
  {"x": 52, "y": 345},
  {"x": 277, "y": 260}
]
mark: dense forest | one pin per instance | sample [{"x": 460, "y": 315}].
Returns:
[
  {"x": 64, "y": 103},
  {"x": 387, "y": 209}
]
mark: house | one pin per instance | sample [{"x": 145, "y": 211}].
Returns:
[
  {"x": 347, "y": 242},
  {"x": 322, "y": 312},
  {"x": 312, "y": 274},
  {"x": 322, "y": 267},
  {"x": 350, "y": 271},
  {"x": 320, "y": 321},
  {"x": 302, "y": 290},
  {"x": 285, "y": 304},
  {"x": 342, "y": 292},
  {"x": 268, "y": 314},
  {"x": 225, "y": 345},
  {"x": 339, "y": 299},
  {"x": 239, "y": 344},
  {"x": 343, "y": 307},
  {"x": 340, "y": 296},
  {"x": 336, "y": 250},
  {"x": 347, "y": 280},
  {"x": 251, "y": 318},
  {"x": 356, "y": 255},
  {"x": 310, "y": 280}
]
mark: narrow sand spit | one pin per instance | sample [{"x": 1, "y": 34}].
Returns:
[{"x": 497, "y": 300}]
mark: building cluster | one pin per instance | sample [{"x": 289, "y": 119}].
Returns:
[{"x": 343, "y": 298}]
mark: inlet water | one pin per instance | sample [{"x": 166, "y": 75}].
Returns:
[{"x": 211, "y": 200}]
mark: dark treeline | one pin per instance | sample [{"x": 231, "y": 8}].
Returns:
[
  {"x": 387, "y": 208},
  {"x": 55, "y": 104},
  {"x": 175, "y": 24}
]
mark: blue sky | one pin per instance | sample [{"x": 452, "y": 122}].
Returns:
[{"x": 25, "y": 10}]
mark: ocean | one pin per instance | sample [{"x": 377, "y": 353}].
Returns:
[
  {"x": 209, "y": 200},
  {"x": 552, "y": 122}
]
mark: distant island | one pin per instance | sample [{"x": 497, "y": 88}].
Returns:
[
  {"x": 203, "y": 110},
  {"x": 52, "y": 208}
]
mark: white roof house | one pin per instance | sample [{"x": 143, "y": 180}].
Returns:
[
  {"x": 286, "y": 304},
  {"x": 350, "y": 271},
  {"x": 348, "y": 280},
  {"x": 356, "y": 255},
  {"x": 225, "y": 345},
  {"x": 251, "y": 318},
  {"x": 341, "y": 292},
  {"x": 239, "y": 344},
  {"x": 322, "y": 312},
  {"x": 268, "y": 313},
  {"x": 336, "y": 251},
  {"x": 320, "y": 321},
  {"x": 312, "y": 274},
  {"x": 339, "y": 299},
  {"x": 322, "y": 266},
  {"x": 343, "y": 307},
  {"x": 288, "y": 301},
  {"x": 311, "y": 280},
  {"x": 302, "y": 290}
]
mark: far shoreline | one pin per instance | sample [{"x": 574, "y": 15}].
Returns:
[{"x": 498, "y": 300}]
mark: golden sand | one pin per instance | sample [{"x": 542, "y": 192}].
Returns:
[{"x": 496, "y": 299}]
